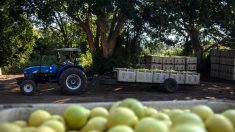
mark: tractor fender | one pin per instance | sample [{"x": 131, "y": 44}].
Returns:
[{"x": 63, "y": 68}]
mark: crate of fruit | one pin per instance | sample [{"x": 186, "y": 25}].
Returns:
[
  {"x": 191, "y": 67},
  {"x": 179, "y": 67},
  {"x": 160, "y": 76},
  {"x": 191, "y": 60},
  {"x": 168, "y": 60},
  {"x": 179, "y": 60},
  {"x": 126, "y": 75},
  {"x": 144, "y": 76},
  {"x": 179, "y": 77},
  {"x": 155, "y": 66},
  {"x": 127, "y": 115},
  {"x": 157, "y": 59},
  {"x": 167, "y": 67},
  {"x": 192, "y": 78}
]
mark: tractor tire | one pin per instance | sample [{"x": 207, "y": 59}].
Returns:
[
  {"x": 72, "y": 81},
  {"x": 28, "y": 87},
  {"x": 170, "y": 85}
]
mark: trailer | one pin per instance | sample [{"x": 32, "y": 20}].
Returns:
[{"x": 169, "y": 81}]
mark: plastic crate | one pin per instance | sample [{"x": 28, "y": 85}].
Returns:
[
  {"x": 191, "y": 60},
  {"x": 191, "y": 67},
  {"x": 160, "y": 77},
  {"x": 157, "y": 59},
  {"x": 126, "y": 75},
  {"x": 179, "y": 67},
  {"x": 167, "y": 67},
  {"x": 144, "y": 76},
  {"x": 179, "y": 60},
  {"x": 192, "y": 78},
  {"x": 179, "y": 77},
  {"x": 168, "y": 60},
  {"x": 155, "y": 66}
]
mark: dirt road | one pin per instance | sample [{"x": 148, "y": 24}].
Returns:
[{"x": 49, "y": 93}]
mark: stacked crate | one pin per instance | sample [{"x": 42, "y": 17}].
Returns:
[
  {"x": 191, "y": 64},
  {"x": 156, "y": 76},
  {"x": 223, "y": 64},
  {"x": 153, "y": 62},
  {"x": 177, "y": 63},
  {"x": 167, "y": 63}
]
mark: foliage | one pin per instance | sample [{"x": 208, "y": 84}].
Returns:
[{"x": 16, "y": 34}]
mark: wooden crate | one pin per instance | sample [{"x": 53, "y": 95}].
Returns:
[
  {"x": 192, "y": 78},
  {"x": 215, "y": 67},
  {"x": 160, "y": 77},
  {"x": 179, "y": 67},
  {"x": 126, "y": 75},
  {"x": 215, "y": 59},
  {"x": 144, "y": 76}
]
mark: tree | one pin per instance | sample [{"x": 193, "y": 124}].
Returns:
[
  {"x": 16, "y": 34},
  {"x": 199, "y": 22}
]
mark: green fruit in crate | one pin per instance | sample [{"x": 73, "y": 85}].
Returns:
[
  {"x": 219, "y": 123},
  {"x": 122, "y": 116},
  {"x": 188, "y": 118},
  {"x": 149, "y": 124},
  {"x": 96, "y": 123},
  {"x": 38, "y": 117},
  {"x": 174, "y": 113},
  {"x": 76, "y": 116},
  {"x": 230, "y": 114},
  {"x": 44, "y": 129},
  {"x": 164, "y": 118},
  {"x": 20, "y": 123},
  {"x": 28, "y": 129},
  {"x": 203, "y": 111},
  {"x": 99, "y": 111},
  {"x": 149, "y": 111},
  {"x": 114, "y": 106},
  {"x": 56, "y": 125},
  {"x": 134, "y": 105},
  {"x": 58, "y": 118},
  {"x": 8, "y": 127},
  {"x": 187, "y": 128},
  {"x": 121, "y": 128}
]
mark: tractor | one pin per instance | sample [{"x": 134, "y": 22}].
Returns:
[{"x": 70, "y": 75}]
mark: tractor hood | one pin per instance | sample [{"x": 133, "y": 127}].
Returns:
[{"x": 35, "y": 69}]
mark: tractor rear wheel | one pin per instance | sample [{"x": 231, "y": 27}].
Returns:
[
  {"x": 72, "y": 81},
  {"x": 28, "y": 87},
  {"x": 170, "y": 85}
]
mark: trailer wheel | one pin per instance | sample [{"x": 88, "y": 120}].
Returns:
[
  {"x": 72, "y": 81},
  {"x": 170, "y": 85},
  {"x": 28, "y": 87}
]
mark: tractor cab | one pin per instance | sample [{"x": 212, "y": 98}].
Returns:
[{"x": 67, "y": 72}]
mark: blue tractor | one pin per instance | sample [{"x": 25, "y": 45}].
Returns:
[{"x": 70, "y": 75}]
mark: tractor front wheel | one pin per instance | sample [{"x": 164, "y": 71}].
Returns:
[
  {"x": 28, "y": 87},
  {"x": 72, "y": 81}
]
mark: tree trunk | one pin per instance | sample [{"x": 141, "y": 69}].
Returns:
[{"x": 196, "y": 45}]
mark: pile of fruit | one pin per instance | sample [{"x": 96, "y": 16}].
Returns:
[{"x": 128, "y": 115}]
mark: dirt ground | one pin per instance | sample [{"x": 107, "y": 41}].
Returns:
[{"x": 50, "y": 93}]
